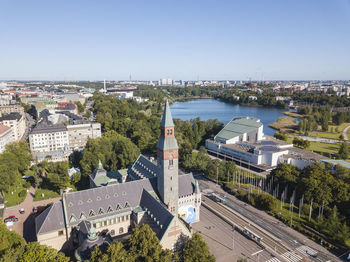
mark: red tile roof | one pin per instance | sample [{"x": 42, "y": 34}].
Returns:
[{"x": 3, "y": 129}]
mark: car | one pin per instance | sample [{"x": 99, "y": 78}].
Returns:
[
  {"x": 38, "y": 209},
  {"x": 10, "y": 219},
  {"x": 21, "y": 211}
]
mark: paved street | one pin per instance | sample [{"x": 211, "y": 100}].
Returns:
[
  {"x": 289, "y": 236},
  {"x": 25, "y": 225}
]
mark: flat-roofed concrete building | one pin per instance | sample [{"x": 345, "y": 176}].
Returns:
[
  {"x": 243, "y": 141},
  {"x": 6, "y": 136},
  {"x": 78, "y": 134},
  {"x": 17, "y": 122}
]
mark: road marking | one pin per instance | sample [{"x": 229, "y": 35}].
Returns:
[
  {"x": 291, "y": 256},
  {"x": 274, "y": 259},
  {"x": 308, "y": 251}
]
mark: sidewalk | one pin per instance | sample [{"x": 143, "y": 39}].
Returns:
[{"x": 25, "y": 226}]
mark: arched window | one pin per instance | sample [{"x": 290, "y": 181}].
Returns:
[{"x": 121, "y": 230}]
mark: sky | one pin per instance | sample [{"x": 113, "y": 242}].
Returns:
[{"x": 182, "y": 39}]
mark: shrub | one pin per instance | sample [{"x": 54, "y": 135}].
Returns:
[{"x": 23, "y": 193}]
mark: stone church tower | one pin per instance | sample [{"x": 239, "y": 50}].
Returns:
[{"x": 167, "y": 157}]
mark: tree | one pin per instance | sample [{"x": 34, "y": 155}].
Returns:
[
  {"x": 34, "y": 252},
  {"x": 114, "y": 151},
  {"x": 13, "y": 162},
  {"x": 324, "y": 123},
  {"x": 144, "y": 244},
  {"x": 11, "y": 244},
  {"x": 80, "y": 107},
  {"x": 197, "y": 250},
  {"x": 285, "y": 174},
  {"x": 281, "y": 136},
  {"x": 341, "y": 137},
  {"x": 343, "y": 151},
  {"x": 115, "y": 253}
]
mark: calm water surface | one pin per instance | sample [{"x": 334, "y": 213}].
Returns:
[{"x": 224, "y": 112}]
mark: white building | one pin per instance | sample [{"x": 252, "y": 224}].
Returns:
[
  {"x": 17, "y": 122},
  {"x": 243, "y": 141},
  {"x": 166, "y": 82},
  {"x": 6, "y": 136},
  {"x": 79, "y": 134},
  {"x": 49, "y": 138}
]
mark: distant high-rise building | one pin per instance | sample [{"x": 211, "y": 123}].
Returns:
[{"x": 166, "y": 82}]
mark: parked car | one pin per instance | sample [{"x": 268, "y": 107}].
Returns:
[
  {"x": 10, "y": 219},
  {"x": 38, "y": 209},
  {"x": 21, "y": 211}
]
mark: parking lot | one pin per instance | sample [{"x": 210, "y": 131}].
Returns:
[{"x": 25, "y": 225}]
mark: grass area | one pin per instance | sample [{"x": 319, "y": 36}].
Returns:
[
  {"x": 12, "y": 197},
  {"x": 42, "y": 194},
  {"x": 324, "y": 147},
  {"x": 325, "y": 135},
  {"x": 293, "y": 114},
  {"x": 334, "y": 132},
  {"x": 285, "y": 124},
  {"x": 340, "y": 127}
]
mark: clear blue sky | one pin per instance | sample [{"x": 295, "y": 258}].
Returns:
[{"x": 93, "y": 40}]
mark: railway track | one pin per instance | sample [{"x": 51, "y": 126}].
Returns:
[{"x": 269, "y": 242}]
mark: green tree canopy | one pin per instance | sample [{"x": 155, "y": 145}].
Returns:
[
  {"x": 197, "y": 250},
  {"x": 114, "y": 151}
]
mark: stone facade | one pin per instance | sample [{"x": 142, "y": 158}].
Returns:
[{"x": 152, "y": 194}]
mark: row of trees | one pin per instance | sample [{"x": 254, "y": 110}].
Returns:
[
  {"x": 14, "y": 161},
  {"x": 325, "y": 187},
  {"x": 144, "y": 245}
]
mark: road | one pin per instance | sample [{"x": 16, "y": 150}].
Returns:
[
  {"x": 287, "y": 236},
  {"x": 345, "y": 133}
]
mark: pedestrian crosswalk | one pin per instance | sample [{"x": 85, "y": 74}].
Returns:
[
  {"x": 291, "y": 256},
  {"x": 274, "y": 259},
  {"x": 307, "y": 251}
]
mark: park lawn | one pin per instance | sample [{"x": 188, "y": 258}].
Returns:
[
  {"x": 341, "y": 127},
  {"x": 14, "y": 199},
  {"x": 293, "y": 114},
  {"x": 285, "y": 123},
  {"x": 47, "y": 194},
  {"x": 326, "y": 135},
  {"x": 324, "y": 147}
]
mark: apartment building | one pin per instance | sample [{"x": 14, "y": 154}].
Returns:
[
  {"x": 8, "y": 108},
  {"x": 6, "y": 136},
  {"x": 17, "y": 122},
  {"x": 48, "y": 138},
  {"x": 78, "y": 134}
]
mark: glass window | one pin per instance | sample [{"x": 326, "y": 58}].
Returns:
[{"x": 121, "y": 230}]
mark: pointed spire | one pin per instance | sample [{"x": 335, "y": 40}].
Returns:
[
  {"x": 99, "y": 165},
  {"x": 167, "y": 119}
]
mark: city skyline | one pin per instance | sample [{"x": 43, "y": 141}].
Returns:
[{"x": 199, "y": 40}]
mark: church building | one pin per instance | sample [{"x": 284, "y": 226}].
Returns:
[{"x": 145, "y": 193}]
